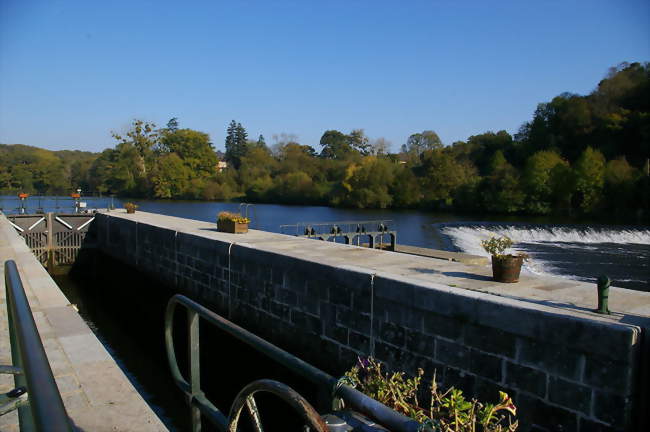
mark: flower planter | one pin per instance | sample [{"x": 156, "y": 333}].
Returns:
[
  {"x": 130, "y": 210},
  {"x": 232, "y": 227},
  {"x": 506, "y": 268}
]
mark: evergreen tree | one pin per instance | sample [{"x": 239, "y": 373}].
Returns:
[
  {"x": 261, "y": 142},
  {"x": 236, "y": 145},
  {"x": 172, "y": 124}
]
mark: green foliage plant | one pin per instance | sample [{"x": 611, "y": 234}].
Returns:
[
  {"x": 130, "y": 207},
  {"x": 234, "y": 217},
  {"x": 447, "y": 411},
  {"x": 496, "y": 246}
]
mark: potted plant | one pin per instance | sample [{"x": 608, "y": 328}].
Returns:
[
  {"x": 505, "y": 267},
  {"x": 130, "y": 207},
  {"x": 233, "y": 223}
]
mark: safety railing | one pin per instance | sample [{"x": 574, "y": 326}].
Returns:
[
  {"x": 200, "y": 405},
  {"x": 36, "y": 395}
]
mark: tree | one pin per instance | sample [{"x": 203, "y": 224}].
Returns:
[
  {"x": 366, "y": 184},
  {"x": 442, "y": 175},
  {"x": 359, "y": 141},
  {"x": 379, "y": 146},
  {"x": 418, "y": 143},
  {"x": 405, "y": 188},
  {"x": 500, "y": 190},
  {"x": 143, "y": 137},
  {"x": 590, "y": 178},
  {"x": 236, "y": 143},
  {"x": 172, "y": 124},
  {"x": 619, "y": 189},
  {"x": 170, "y": 177},
  {"x": 261, "y": 142},
  {"x": 536, "y": 181},
  {"x": 336, "y": 145},
  {"x": 194, "y": 150}
]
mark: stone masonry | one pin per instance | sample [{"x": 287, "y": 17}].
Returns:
[{"x": 566, "y": 368}]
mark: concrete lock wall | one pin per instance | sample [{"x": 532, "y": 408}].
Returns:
[{"x": 564, "y": 372}]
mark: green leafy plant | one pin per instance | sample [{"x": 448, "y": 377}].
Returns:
[
  {"x": 130, "y": 207},
  {"x": 447, "y": 411},
  {"x": 496, "y": 246},
  {"x": 234, "y": 217}
]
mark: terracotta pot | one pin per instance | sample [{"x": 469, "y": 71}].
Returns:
[
  {"x": 506, "y": 268},
  {"x": 232, "y": 227}
]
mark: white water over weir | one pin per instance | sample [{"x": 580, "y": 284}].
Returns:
[{"x": 570, "y": 251}]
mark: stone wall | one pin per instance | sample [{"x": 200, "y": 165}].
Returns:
[{"x": 565, "y": 372}]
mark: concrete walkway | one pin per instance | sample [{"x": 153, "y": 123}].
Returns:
[{"x": 95, "y": 391}]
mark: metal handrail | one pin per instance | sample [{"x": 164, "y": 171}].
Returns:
[
  {"x": 45, "y": 411},
  {"x": 199, "y": 404}
]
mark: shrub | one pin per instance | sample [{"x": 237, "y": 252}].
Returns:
[
  {"x": 447, "y": 411},
  {"x": 235, "y": 217}
]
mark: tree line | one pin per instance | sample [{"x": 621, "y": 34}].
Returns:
[{"x": 577, "y": 155}]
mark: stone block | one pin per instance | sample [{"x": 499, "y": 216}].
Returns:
[
  {"x": 287, "y": 297},
  {"x": 485, "y": 365},
  {"x": 391, "y": 333},
  {"x": 612, "y": 409},
  {"x": 439, "y": 325},
  {"x": 487, "y": 391},
  {"x": 400, "y": 315},
  {"x": 525, "y": 378},
  {"x": 569, "y": 394},
  {"x": 280, "y": 310},
  {"x": 596, "y": 426},
  {"x": 452, "y": 354},
  {"x": 340, "y": 295},
  {"x": 309, "y": 303},
  {"x": 536, "y": 415},
  {"x": 554, "y": 359},
  {"x": 353, "y": 320},
  {"x": 359, "y": 342},
  {"x": 389, "y": 354},
  {"x": 339, "y": 334},
  {"x": 461, "y": 380},
  {"x": 420, "y": 343},
  {"x": 305, "y": 322},
  {"x": 491, "y": 340},
  {"x": 608, "y": 375}
]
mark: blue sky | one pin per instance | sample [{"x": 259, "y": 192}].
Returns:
[{"x": 72, "y": 71}]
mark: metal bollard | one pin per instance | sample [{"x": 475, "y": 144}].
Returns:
[{"x": 603, "y": 294}]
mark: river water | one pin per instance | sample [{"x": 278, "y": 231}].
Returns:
[{"x": 555, "y": 246}]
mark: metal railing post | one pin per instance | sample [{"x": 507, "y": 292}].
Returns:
[{"x": 195, "y": 367}]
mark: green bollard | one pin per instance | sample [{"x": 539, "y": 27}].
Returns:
[{"x": 603, "y": 294}]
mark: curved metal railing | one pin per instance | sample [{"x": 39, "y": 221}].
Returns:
[{"x": 199, "y": 404}]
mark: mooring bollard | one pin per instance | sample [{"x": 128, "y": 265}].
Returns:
[{"x": 603, "y": 294}]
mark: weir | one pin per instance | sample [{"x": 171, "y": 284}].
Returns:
[
  {"x": 539, "y": 340},
  {"x": 327, "y": 303}
]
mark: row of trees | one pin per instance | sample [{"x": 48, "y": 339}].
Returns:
[{"x": 578, "y": 154}]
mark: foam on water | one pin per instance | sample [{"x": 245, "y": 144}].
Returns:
[{"x": 467, "y": 238}]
